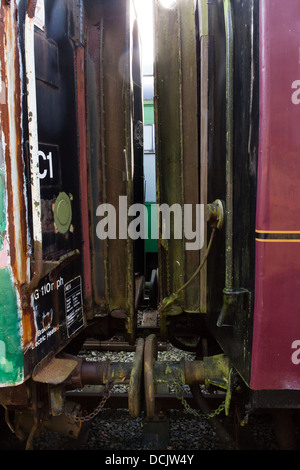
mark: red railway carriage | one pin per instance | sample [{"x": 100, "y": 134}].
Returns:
[{"x": 276, "y": 319}]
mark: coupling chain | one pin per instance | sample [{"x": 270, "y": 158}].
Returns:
[
  {"x": 96, "y": 411},
  {"x": 189, "y": 409}
]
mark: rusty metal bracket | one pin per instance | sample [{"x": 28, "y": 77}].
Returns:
[
  {"x": 57, "y": 400},
  {"x": 55, "y": 372},
  {"x": 235, "y": 302}
]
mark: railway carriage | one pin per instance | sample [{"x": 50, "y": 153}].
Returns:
[{"x": 226, "y": 124}]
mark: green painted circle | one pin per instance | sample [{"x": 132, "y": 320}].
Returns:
[{"x": 63, "y": 212}]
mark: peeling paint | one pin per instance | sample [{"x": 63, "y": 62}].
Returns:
[
  {"x": 9, "y": 54},
  {"x": 4, "y": 253},
  {"x": 13, "y": 229},
  {"x": 11, "y": 353}
]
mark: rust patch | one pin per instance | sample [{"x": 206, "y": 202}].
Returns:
[
  {"x": 12, "y": 136},
  {"x": 31, "y": 8},
  {"x": 29, "y": 328}
]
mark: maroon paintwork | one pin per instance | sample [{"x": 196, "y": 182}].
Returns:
[{"x": 277, "y": 283}]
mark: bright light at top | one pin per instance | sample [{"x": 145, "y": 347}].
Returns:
[
  {"x": 168, "y": 3},
  {"x": 145, "y": 19}
]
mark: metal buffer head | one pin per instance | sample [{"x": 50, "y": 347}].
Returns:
[{"x": 214, "y": 370}]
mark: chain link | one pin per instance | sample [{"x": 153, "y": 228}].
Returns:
[
  {"x": 96, "y": 411},
  {"x": 179, "y": 395},
  {"x": 189, "y": 409}
]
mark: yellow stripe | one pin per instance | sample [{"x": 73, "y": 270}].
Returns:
[
  {"x": 272, "y": 240},
  {"x": 276, "y": 231}
]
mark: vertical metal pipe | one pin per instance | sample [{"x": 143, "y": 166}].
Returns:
[
  {"x": 81, "y": 116},
  {"x": 229, "y": 143},
  {"x": 204, "y": 41}
]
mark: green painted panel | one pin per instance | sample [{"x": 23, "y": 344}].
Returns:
[
  {"x": 11, "y": 353},
  {"x": 148, "y": 112},
  {"x": 151, "y": 244}
]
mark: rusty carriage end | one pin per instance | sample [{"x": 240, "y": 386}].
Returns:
[
  {"x": 56, "y": 277},
  {"x": 17, "y": 328},
  {"x": 45, "y": 396}
]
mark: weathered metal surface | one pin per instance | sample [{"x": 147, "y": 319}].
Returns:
[
  {"x": 61, "y": 424},
  {"x": 33, "y": 147},
  {"x": 15, "y": 332},
  {"x": 55, "y": 372},
  {"x": 14, "y": 395},
  {"x": 47, "y": 128},
  {"x": 38, "y": 259},
  {"x": 231, "y": 174},
  {"x": 82, "y": 129},
  {"x": 202, "y": 23},
  {"x": 95, "y": 345},
  {"x": 214, "y": 370},
  {"x": 150, "y": 356},
  {"x": 229, "y": 35},
  {"x": 135, "y": 384},
  {"x": 176, "y": 120},
  {"x": 51, "y": 148},
  {"x": 113, "y": 76}
]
